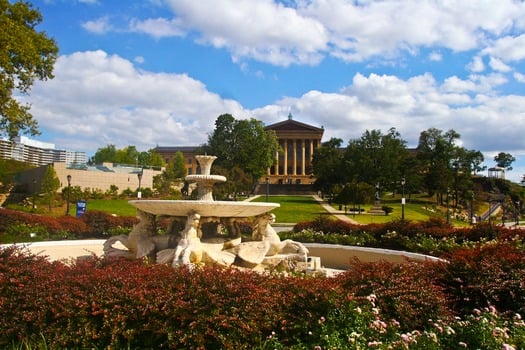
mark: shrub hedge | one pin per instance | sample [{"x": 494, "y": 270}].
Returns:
[
  {"x": 17, "y": 226},
  {"x": 112, "y": 303},
  {"x": 473, "y": 300}
]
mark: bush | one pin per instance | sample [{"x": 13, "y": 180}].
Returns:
[
  {"x": 112, "y": 303},
  {"x": 486, "y": 275},
  {"x": 405, "y": 292}
]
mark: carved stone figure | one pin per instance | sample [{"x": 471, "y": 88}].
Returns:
[
  {"x": 211, "y": 233},
  {"x": 267, "y": 243}
]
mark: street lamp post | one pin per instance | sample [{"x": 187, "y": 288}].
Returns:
[
  {"x": 517, "y": 213},
  {"x": 472, "y": 219},
  {"x": 34, "y": 193},
  {"x": 403, "y": 199},
  {"x": 448, "y": 205},
  {"x": 139, "y": 193},
  {"x": 68, "y": 193},
  {"x": 267, "y": 187}
]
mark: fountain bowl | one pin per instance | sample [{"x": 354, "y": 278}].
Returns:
[{"x": 203, "y": 207}]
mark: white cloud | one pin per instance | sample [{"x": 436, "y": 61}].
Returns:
[
  {"x": 507, "y": 48},
  {"x": 98, "y": 26},
  {"x": 476, "y": 65},
  {"x": 96, "y": 98},
  {"x": 487, "y": 122},
  {"x": 157, "y": 27},
  {"x": 262, "y": 30},
  {"x": 435, "y": 56},
  {"x": 303, "y": 32},
  {"x": 497, "y": 65},
  {"x": 519, "y": 77}
]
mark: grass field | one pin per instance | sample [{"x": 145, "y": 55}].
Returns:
[
  {"x": 295, "y": 209},
  {"x": 119, "y": 207}
]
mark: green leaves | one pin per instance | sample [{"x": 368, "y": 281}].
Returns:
[{"x": 25, "y": 55}]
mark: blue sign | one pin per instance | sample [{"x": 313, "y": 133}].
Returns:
[{"x": 81, "y": 207}]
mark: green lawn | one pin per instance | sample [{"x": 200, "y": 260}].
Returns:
[
  {"x": 414, "y": 211},
  {"x": 294, "y": 208},
  {"x": 119, "y": 207}
]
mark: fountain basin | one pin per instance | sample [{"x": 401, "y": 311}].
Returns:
[
  {"x": 204, "y": 208},
  {"x": 332, "y": 256}
]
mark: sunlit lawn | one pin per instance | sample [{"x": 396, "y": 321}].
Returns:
[
  {"x": 414, "y": 211},
  {"x": 294, "y": 208},
  {"x": 119, "y": 207}
]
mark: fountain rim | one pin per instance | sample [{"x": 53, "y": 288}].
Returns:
[{"x": 205, "y": 208}]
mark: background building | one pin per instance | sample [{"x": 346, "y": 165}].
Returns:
[
  {"x": 38, "y": 153},
  {"x": 297, "y": 143},
  {"x": 292, "y": 168}
]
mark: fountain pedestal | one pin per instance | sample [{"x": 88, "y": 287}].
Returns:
[{"x": 187, "y": 248}]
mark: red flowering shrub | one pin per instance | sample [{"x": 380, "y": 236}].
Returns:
[
  {"x": 113, "y": 303},
  {"x": 405, "y": 292},
  {"x": 73, "y": 225},
  {"x": 487, "y": 275},
  {"x": 30, "y": 289},
  {"x": 101, "y": 222}
]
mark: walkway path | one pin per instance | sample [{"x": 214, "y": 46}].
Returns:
[{"x": 339, "y": 214}]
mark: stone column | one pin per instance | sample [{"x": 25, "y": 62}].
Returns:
[
  {"x": 311, "y": 149},
  {"x": 276, "y": 162},
  {"x": 294, "y": 171},
  {"x": 303, "y": 159},
  {"x": 285, "y": 172}
]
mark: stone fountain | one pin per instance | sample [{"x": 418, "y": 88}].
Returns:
[{"x": 191, "y": 246}]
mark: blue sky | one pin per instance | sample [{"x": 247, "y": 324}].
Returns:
[{"x": 160, "y": 72}]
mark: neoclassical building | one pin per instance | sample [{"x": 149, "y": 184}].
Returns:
[{"x": 293, "y": 161}]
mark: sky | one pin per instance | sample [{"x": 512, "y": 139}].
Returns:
[{"x": 159, "y": 72}]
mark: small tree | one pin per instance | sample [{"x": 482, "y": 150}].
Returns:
[
  {"x": 504, "y": 160},
  {"x": 50, "y": 186}
]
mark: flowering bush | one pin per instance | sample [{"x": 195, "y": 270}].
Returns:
[
  {"x": 433, "y": 237},
  {"x": 110, "y": 303},
  {"x": 16, "y": 226}
]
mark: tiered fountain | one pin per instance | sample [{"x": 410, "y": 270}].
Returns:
[{"x": 188, "y": 246}]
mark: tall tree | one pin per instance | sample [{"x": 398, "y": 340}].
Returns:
[
  {"x": 178, "y": 166},
  {"x": 504, "y": 160},
  {"x": 105, "y": 154},
  {"x": 437, "y": 153},
  {"x": 151, "y": 158},
  {"x": 376, "y": 158},
  {"x": 242, "y": 143},
  {"x": 50, "y": 185},
  {"x": 127, "y": 155},
  {"x": 25, "y": 55},
  {"x": 327, "y": 165}
]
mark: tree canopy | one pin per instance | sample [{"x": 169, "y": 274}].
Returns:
[
  {"x": 127, "y": 155},
  {"x": 25, "y": 55},
  {"x": 438, "y": 165},
  {"x": 504, "y": 160},
  {"x": 243, "y": 144}
]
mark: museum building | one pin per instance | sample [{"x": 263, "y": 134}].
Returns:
[{"x": 293, "y": 161}]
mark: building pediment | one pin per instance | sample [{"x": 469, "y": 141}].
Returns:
[{"x": 291, "y": 125}]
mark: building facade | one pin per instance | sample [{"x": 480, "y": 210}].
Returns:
[
  {"x": 188, "y": 152},
  {"x": 38, "y": 153},
  {"x": 293, "y": 161},
  {"x": 292, "y": 164}
]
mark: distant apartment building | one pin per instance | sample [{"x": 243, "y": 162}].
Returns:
[{"x": 39, "y": 153}]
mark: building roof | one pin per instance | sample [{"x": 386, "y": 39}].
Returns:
[{"x": 290, "y": 124}]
